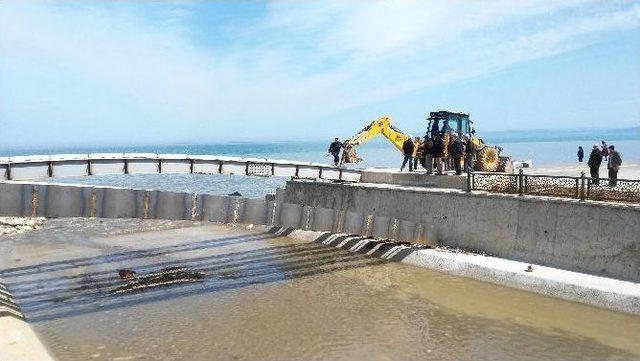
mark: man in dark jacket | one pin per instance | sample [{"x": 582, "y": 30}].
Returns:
[
  {"x": 470, "y": 153},
  {"x": 457, "y": 151},
  {"x": 595, "y": 159},
  {"x": 334, "y": 150},
  {"x": 613, "y": 164},
  {"x": 438, "y": 152},
  {"x": 407, "y": 150}
]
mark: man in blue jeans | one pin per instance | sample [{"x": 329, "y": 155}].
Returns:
[{"x": 407, "y": 150}]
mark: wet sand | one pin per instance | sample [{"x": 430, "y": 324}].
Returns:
[{"x": 275, "y": 298}]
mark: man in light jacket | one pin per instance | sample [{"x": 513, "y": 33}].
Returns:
[{"x": 613, "y": 164}]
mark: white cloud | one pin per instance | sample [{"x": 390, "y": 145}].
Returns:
[{"x": 303, "y": 61}]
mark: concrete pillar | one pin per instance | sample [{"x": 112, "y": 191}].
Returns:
[
  {"x": 119, "y": 203},
  {"x": 255, "y": 211},
  {"x": 63, "y": 201},
  {"x": 291, "y": 215},
  {"x": 353, "y": 222},
  {"x": 11, "y": 200},
  {"x": 214, "y": 208},
  {"x": 380, "y": 228},
  {"x": 174, "y": 206},
  {"x": 323, "y": 219}
]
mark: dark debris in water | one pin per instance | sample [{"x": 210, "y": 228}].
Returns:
[{"x": 166, "y": 277}]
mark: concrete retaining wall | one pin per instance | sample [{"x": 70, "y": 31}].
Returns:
[
  {"x": 418, "y": 179},
  {"x": 57, "y": 200},
  {"x": 64, "y": 165},
  {"x": 592, "y": 237}
]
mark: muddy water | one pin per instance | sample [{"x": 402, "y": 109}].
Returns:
[{"x": 267, "y": 298}]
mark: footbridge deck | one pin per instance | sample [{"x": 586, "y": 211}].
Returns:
[{"x": 65, "y": 165}]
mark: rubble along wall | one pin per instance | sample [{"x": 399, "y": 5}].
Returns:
[{"x": 591, "y": 237}]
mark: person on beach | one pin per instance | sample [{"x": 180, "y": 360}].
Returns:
[
  {"x": 407, "y": 149},
  {"x": 470, "y": 153},
  {"x": 334, "y": 150},
  {"x": 613, "y": 164},
  {"x": 438, "y": 152},
  {"x": 595, "y": 159},
  {"x": 417, "y": 152},
  {"x": 580, "y": 154},
  {"x": 457, "y": 151},
  {"x": 427, "y": 153},
  {"x": 605, "y": 150}
]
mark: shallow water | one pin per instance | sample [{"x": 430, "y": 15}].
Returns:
[{"x": 274, "y": 298}]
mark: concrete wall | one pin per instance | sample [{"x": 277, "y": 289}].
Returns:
[
  {"x": 591, "y": 237},
  {"x": 64, "y": 165},
  {"x": 56, "y": 200},
  {"x": 413, "y": 179}
]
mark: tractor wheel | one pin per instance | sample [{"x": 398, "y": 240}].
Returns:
[{"x": 487, "y": 160}]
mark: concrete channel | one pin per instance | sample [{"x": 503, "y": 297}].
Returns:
[{"x": 278, "y": 293}]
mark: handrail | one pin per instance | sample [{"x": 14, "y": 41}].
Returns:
[{"x": 582, "y": 187}]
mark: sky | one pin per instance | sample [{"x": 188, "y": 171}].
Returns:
[{"x": 155, "y": 72}]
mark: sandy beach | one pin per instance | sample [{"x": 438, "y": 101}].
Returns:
[{"x": 627, "y": 171}]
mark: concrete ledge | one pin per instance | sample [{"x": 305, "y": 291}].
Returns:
[{"x": 595, "y": 291}]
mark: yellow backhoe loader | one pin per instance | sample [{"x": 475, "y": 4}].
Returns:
[{"x": 487, "y": 158}]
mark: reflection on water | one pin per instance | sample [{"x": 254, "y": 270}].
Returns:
[{"x": 268, "y": 298}]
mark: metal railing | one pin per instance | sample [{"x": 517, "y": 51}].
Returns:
[{"x": 582, "y": 188}]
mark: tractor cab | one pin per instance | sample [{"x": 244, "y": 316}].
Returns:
[{"x": 457, "y": 122}]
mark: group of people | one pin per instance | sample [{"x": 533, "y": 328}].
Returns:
[
  {"x": 430, "y": 152},
  {"x": 604, "y": 152}
]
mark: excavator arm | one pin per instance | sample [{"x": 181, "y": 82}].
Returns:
[{"x": 382, "y": 126}]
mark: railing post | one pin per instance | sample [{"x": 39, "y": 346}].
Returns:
[
  {"x": 582, "y": 183},
  {"x": 520, "y": 182},
  {"x": 469, "y": 175}
]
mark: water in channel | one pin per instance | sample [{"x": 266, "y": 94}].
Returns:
[{"x": 275, "y": 298}]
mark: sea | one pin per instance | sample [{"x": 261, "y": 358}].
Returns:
[{"x": 544, "y": 148}]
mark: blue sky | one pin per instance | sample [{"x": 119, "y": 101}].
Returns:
[{"x": 116, "y": 72}]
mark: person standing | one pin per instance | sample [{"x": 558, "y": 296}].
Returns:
[
  {"x": 613, "y": 164},
  {"x": 595, "y": 159},
  {"x": 457, "y": 151},
  {"x": 470, "y": 153},
  {"x": 438, "y": 152},
  {"x": 334, "y": 150},
  {"x": 580, "y": 154},
  {"x": 407, "y": 150},
  {"x": 417, "y": 152},
  {"x": 427, "y": 152}
]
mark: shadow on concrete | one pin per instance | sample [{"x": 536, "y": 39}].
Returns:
[{"x": 56, "y": 296}]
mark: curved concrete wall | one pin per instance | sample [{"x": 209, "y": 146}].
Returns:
[
  {"x": 65, "y": 165},
  {"x": 593, "y": 237},
  {"x": 64, "y": 200}
]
